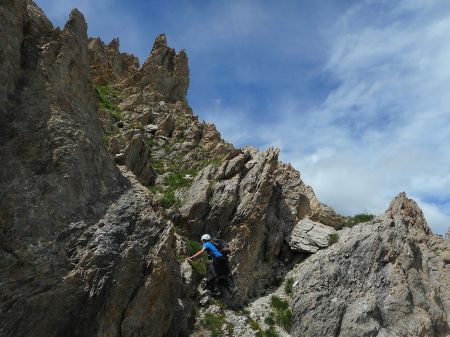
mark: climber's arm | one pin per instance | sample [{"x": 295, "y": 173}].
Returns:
[{"x": 197, "y": 254}]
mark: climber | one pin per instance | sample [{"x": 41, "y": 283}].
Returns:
[{"x": 218, "y": 270}]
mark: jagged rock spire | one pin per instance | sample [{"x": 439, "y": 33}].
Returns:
[
  {"x": 405, "y": 209},
  {"x": 165, "y": 73}
]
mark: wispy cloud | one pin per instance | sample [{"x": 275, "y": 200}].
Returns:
[{"x": 385, "y": 127}]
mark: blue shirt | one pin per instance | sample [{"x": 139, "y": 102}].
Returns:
[{"x": 212, "y": 250}]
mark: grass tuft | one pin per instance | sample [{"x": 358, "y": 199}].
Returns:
[
  {"x": 106, "y": 96},
  {"x": 282, "y": 314},
  {"x": 333, "y": 238},
  {"x": 214, "y": 323},
  {"x": 288, "y": 286},
  {"x": 351, "y": 221}
]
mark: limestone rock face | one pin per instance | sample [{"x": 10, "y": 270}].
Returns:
[
  {"x": 107, "y": 64},
  {"x": 378, "y": 280},
  {"x": 81, "y": 250},
  {"x": 253, "y": 201},
  {"x": 310, "y": 236},
  {"x": 164, "y": 76},
  {"x": 91, "y": 248}
]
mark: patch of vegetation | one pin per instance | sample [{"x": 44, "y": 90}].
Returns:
[
  {"x": 254, "y": 325},
  {"x": 351, "y": 221},
  {"x": 177, "y": 180},
  {"x": 278, "y": 304},
  {"x": 107, "y": 95},
  {"x": 151, "y": 142},
  {"x": 269, "y": 320},
  {"x": 200, "y": 265},
  {"x": 282, "y": 314},
  {"x": 333, "y": 238},
  {"x": 168, "y": 199},
  {"x": 216, "y": 162},
  {"x": 288, "y": 286},
  {"x": 230, "y": 329},
  {"x": 193, "y": 246},
  {"x": 215, "y": 322},
  {"x": 137, "y": 125}
]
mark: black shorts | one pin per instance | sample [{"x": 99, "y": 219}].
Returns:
[{"x": 220, "y": 265}]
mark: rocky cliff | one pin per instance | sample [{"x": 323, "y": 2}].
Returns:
[{"x": 109, "y": 178}]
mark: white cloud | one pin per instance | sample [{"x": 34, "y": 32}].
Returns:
[
  {"x": 387, "y": 125},
  {"x": 385, "y": 128}
]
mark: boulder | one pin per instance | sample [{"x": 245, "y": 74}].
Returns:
[{"x": 310, "y": 236}]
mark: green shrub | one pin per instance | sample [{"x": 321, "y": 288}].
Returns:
[
  {"x": 351, "y": 221},
  {"x": 288, "y": 286},
  {"x": 269, "y": 320},
  {"x": 333, "y": 238},
  {"x": 193, "y": 246},
  {"x": 214, "y": 323},
  {"x": 106, "y": 94},
  {"x": 177, "y": 180},
  {"x": 253, "y": 324},
  {"x": 230, "y": 329},
  {"x": 200, "y": 265},
  {"x": 155, "y": 189},
  {"x": 282, "y": 315},
  {"x": 278, "y": 304},
  {"x": 284, "y": 319},
  {"x": 157, "y": 165},
  {"x": 270, "y": 333},
  {"x": 168, "y": 200}
]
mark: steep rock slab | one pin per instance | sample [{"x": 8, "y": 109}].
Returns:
[{"x": 386, "y": 278}]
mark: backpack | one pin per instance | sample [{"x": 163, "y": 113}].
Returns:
[{"x": 222, "y": 246}]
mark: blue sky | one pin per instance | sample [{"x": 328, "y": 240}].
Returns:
[{"x": 355, "y": 93}]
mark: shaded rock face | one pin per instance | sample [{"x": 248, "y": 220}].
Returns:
[
  {"x": 137, "y": 156},
  {"x": 385, "y": 278},
  {"x": 80, "y": 247}
]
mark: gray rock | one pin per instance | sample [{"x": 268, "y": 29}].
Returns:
[
  {"x": 378, "y": 280},
  {"x": 310, "y": 236},
  {"x": 151, "y": 128},
  {"x": 164, "y": 76},
  {"x": 119, "y": 158},
  {"x": 137, "y": 156},
  {"x": 114, "y": 146}
]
